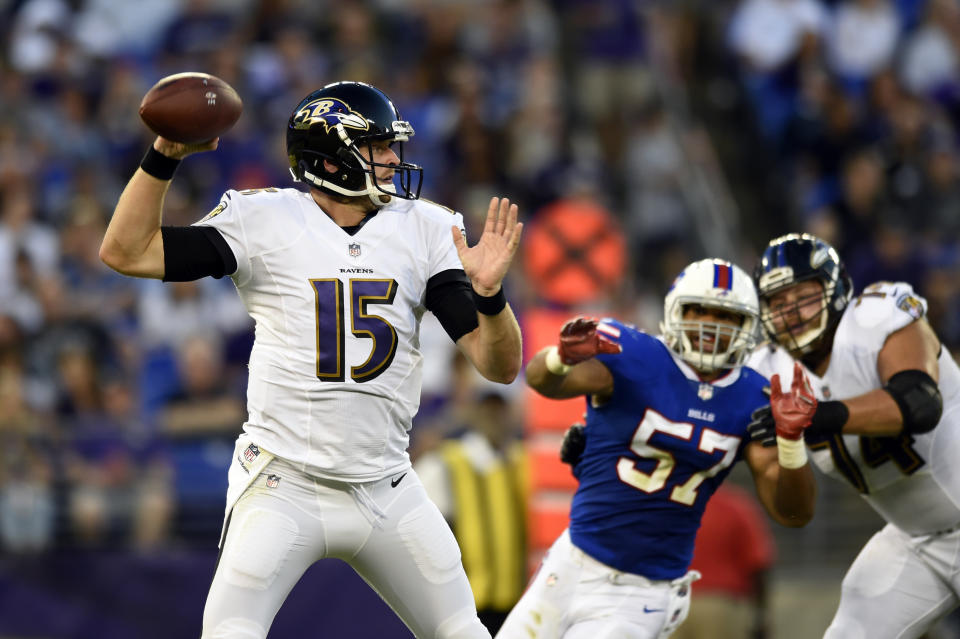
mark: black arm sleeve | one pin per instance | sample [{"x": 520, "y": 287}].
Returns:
[
  {"x": 450, "y": 298},
  {"x": 192, "y": 252}
]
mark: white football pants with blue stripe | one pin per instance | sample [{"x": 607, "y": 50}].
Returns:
[
  {"x": 576, "y": 597},
  {"x": 388, "y": 531}
]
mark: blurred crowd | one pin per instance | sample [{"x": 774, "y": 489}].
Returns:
[
  {"x": 119, "y": 398},
  {"x": 856, "y": 106}
]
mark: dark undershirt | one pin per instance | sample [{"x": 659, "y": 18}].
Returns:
[
  {"x": 192, "y": 252},
  {"x": 352, "y": 230}
]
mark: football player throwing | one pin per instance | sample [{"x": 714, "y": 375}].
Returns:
[{"x": 337, "y": 278}]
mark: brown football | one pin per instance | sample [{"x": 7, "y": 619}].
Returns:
[{"x": 190, "y": 107}]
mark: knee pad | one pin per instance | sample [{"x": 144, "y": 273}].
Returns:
[
  {"x": 256, "y": 550},
  {"x": 431, "y": 544}
]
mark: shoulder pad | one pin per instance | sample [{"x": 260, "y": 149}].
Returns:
[{"x": 888, "y": 303}]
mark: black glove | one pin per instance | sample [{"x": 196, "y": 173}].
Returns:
[
  {"x": 574, "y": 441},
  {"x": 762, "y": 427}
]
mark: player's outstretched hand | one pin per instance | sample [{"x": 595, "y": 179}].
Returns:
[
  {"x": 486, "y": 263},
  {"x": 793, "y": 411},
  {"x": 574, "y": 443},
  {"x": 579, "y": 341},
  {"x": 179, "y": 150}
]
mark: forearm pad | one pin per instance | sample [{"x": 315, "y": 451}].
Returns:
[{"x": 919, "y": 399}]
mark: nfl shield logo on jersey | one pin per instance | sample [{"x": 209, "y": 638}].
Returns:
[
  {"x": 251, "y": 452},
  {"x": 273, "y": 481},
  {"x": 353, "y": 249},
  {"x": 705, "y": 392}
]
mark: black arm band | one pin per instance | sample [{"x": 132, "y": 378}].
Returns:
[
  {"x": 158, "y": 165},
  {"x": 918, "y": 397},
  {"x": 490, "y": 305},
  {"x": 192, "y": 252},
  {"x": 829, "y": 419},
  {"x": 448, "y": 297}
]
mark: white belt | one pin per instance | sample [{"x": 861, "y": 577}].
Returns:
[
  {"x": 613, "y": 575},
  {"x": 619, "y": 577}
]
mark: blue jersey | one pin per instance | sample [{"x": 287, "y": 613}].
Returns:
[{"x": 656, "y": 451}]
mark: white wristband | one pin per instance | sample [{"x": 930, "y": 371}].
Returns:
[
  {"x": 554, "y": 365},
  {"x": 791, "y": 453}
]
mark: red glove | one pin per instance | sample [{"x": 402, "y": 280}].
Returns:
[
  {"x": 794, "y": 411},
  {"x": 579, "y": 341}
]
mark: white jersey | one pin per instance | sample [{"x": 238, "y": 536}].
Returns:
[
  {"x": 912, "y": 481},
  {"x": 335, "y": 367}
]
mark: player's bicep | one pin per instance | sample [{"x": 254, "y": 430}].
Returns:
[{"x": 913, "y": 347}]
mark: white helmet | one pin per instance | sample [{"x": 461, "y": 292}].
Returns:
[{"x": 711, "y": 283}]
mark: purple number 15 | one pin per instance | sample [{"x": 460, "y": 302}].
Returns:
[{"x": 331, "y": 327}]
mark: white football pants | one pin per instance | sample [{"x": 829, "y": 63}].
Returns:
[
  {"x": 388, "y": 531},
  {"x": 898, "y": 586},
  {"x": 576, "y": 597}
]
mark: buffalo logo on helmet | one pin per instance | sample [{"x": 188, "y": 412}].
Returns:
[{"x": 329, "y": 112}]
